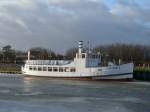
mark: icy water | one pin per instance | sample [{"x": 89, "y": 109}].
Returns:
[{"x": 19, "y": 94}]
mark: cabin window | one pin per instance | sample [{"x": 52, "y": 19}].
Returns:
[
  {"x": 99, "y": 69},
  {"x": 30, "y": 67},
  {"x": 55, "y": 69},
  {"x": 114, "y": 67},
  {"x": 83, "y": 55},
  {"x": 44, "y": 68},
  {"x": 50, "y": 69},
  {"x": 34, "y": 68},
  {"x": 66, "y": 69},
  {"x": 39, "y": 68},
  {"x": 93, "y": 56},
  {"x": 72, "y": 70},
  {"x": 61, "y": 69}
]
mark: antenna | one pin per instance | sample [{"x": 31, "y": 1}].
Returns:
[
  {"x": 29, "y": 55},
  {"x": 89, "y": 47}
]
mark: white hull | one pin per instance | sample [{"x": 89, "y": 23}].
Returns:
[
  {"x": 115, "y": 77},
  {"x": 124, "y": 71}
]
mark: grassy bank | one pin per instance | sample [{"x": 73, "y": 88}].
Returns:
[
  {"x": 142, "y": 69},
  {"x": 10, "y": 68},
  {"x": 142, "y": 73}
]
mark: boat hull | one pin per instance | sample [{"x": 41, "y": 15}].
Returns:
[
  {"x": 127, "y": 77},
  {"x": 121, "y": 72}
]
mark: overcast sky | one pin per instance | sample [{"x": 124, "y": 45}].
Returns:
[{"x": 59, "y": 24}]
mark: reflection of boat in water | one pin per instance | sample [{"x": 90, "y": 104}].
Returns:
[
  {"x": 28, "y": 78},
  {"x": 86, "y": 65}
]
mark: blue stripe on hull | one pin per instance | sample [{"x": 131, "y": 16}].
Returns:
[{"x": 115, "y": 74}]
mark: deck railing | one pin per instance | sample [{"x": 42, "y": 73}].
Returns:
[{"x": 48, "y": 62}]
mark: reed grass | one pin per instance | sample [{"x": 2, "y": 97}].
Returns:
[
  {"x": 142, "y": 69},
  {"x": 10, "y": 69}
]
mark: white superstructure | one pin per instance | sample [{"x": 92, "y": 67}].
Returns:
[{"x": 85, "y": 65}]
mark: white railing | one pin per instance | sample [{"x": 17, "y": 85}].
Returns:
[{"x": 48, "y": 62}]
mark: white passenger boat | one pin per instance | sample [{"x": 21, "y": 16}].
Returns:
[{"x": 86, "y": 65}]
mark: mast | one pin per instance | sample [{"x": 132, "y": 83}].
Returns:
[{"x": 29, "y": 55}]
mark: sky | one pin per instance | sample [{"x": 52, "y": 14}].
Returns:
[{"x": 59, "y": 24}]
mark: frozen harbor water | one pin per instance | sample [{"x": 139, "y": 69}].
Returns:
[{"x": 19, "y": 94}]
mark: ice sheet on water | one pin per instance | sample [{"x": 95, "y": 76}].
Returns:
[{"x": 51, "y": 95}]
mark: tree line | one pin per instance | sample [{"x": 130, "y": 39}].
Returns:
[{"x": 139, "y": 54}]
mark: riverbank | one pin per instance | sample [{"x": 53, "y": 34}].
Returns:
[
  {"x": 10, "y": 68},
  {"x": 142, "y": 73}
]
